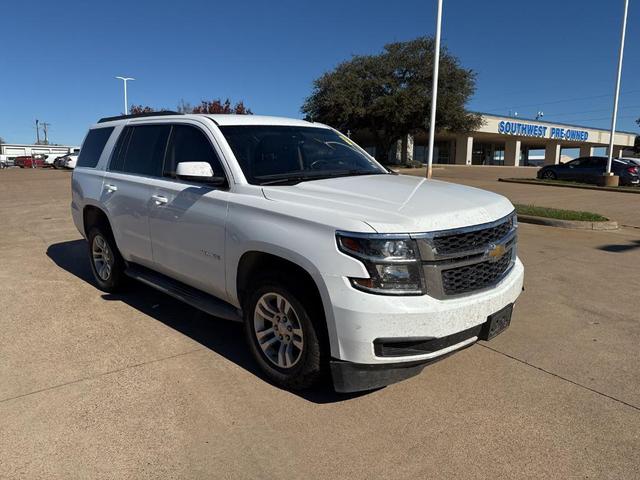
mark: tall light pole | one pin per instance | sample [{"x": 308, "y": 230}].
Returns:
[
  {"x": 434, "y": 92},
  {"x": 617, "y": 91},
  {"x": 126, "y": 103}
]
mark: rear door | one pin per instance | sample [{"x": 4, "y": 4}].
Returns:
[
  {"x": 128, "y": 187},
  {"x": 596, "y": 168},
  {"x": 577, "y": 169},
  {"x": 187, "y": 221},
  {"x": 567, "y": 170}
]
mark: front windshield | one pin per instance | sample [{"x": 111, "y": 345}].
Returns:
[{"x": 288, "y": 155}]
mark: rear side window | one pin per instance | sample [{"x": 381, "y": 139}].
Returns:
[
  {"x": 189, "y": 144},
  {"x": 93, "y": 146},
  {"x": 140, "y": 150}
]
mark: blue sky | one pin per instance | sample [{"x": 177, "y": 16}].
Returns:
[{"x": 58, "y": 59}]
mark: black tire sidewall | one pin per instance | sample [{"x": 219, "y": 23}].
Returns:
[
  {"x": 310, "y": 366},
  {"x": 116, "y": 280}
]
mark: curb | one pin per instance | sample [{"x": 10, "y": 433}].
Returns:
[
  {"x": 563, "y": 185},
  {"x": 572, "y": 224}
]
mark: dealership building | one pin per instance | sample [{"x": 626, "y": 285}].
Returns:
[{"x": 509, "y": 141}]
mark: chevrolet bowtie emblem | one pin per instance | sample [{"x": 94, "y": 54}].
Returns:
[{"x": 496, "y": 251}]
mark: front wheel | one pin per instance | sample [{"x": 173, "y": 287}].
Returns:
[
  {"x": 282, "y": 335},
  {"x": 549, "y": 175}
]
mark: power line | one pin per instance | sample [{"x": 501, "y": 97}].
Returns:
[
  {"x": 591, "y": 111},
  {"x": 605, "y": 118},
  {"x": 575, "y": 99}
]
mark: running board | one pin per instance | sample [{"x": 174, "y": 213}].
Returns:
[{"x": 189, "y": 295}]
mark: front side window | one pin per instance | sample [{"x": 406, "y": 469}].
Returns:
[
  {"x": 288, "y": 155},
  {"x": 140, "y": 150},
  {"x": 189, "y": 144},
  {"x": 93, "y": 146},
  {"x": 578, "y": 162}
]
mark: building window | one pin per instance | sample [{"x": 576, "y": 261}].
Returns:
[{"x": 441, "y": 152}]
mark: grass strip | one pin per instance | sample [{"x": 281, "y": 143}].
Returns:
[{"x": 559, "y": 214}]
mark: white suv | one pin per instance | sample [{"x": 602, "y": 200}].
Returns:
[{"x": 333, "y": 262}]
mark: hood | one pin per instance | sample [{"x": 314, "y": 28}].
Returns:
[{"x": 395, "y": 203}]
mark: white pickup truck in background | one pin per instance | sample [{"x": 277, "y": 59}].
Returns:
[{"x": 334, "y": 263}]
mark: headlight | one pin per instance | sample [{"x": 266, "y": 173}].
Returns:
[{"x": 393, "y": 263}]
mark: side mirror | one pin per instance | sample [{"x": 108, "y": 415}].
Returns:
[{"x": 198, "y": 172}]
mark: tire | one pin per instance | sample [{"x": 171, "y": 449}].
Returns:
[
  {"x": 291, "y": 355},
  {"x": 549, "y": 175},
  {"x": 107, "y": 265}
]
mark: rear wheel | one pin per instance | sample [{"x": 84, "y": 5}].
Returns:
[
  {"x": 549, "y": 175},
  {"x": 281, "y": 327},
  {"x": 107, "y": 264}
]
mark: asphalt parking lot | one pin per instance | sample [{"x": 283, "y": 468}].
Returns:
[
  {"x": 139, "y": 385},
  {"x": 622, "y": 207}
]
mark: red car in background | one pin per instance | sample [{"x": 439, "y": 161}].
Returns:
[{"x": 29, "y": 162}]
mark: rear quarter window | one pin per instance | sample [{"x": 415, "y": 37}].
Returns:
[{"x": 93, "y": 146}]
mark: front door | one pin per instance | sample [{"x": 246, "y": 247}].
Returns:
[{"x": 187, "y": 221}]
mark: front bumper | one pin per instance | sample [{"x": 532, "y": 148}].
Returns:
[
  {"x": 359, "y": 319},
  {"x": 357, "y": 377}
]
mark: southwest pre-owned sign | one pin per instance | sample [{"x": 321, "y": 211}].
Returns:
[{"x": 532, "y": 130}]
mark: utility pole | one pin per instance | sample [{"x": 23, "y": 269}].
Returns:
[
  {"x": 617, "y": 92},
  {"x": 45, "y": 128},
  {"x": 126, "y": 102},
  {"x": 434, "y": 92}
]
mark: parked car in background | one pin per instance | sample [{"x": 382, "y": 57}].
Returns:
[
  {"x": 70, "y": 161},
  {"x": 590, "y": 170},
  {"x": 57, "y": 163},
  {"x": 3, "y": 161},
  {"x": 50, "y": 158},
  {"x": 66, "y": 161},
  {"x": 634, "y": 161},
  {"x": 28, "y": 161}
]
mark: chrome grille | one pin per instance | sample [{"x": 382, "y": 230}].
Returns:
[
  {"x": 467, "y": 260},
  {"x": 465, "y": 241},
  {"x": 456, "y": 281}
]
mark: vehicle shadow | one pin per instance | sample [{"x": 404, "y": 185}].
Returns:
[
  {"x": 223, "y": 337},
  {"x": 616, "y": 248}
]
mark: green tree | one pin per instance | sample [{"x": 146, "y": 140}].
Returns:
[{"x": 389, "y": 94}]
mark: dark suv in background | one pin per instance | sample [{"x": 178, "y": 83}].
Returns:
[{"x": 591, "y": 169}]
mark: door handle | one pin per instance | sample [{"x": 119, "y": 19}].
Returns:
[
  {"x": 159, "y": 199},
  {"x": 110, "y": 188}
]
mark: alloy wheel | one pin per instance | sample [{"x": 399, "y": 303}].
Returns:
[
  {"x": 103, "y": 258},
  {"x": 278, "y": 330}
]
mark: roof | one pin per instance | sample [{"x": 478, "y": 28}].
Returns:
[
  {"x": 233, "y": 119},
  {"x": 219, "y": 119}
]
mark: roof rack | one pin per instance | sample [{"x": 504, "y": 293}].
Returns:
[{"x": 138, "y": 115}]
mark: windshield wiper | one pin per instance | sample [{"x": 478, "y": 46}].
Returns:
[
  {"x": 290, "y": 179},
  {"x": 303, "y": 178},
  {"x": 349, "y": 173}
]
